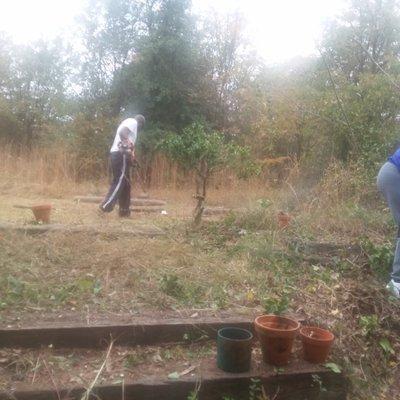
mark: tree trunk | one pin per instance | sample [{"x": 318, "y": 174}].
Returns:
[{"x": 201, "y": 186}]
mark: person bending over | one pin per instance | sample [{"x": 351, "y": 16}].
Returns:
[
  {"x": 388, "y": 181},
  {"x": 122, "y": 155}
]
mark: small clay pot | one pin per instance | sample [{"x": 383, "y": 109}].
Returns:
[
  {"x": 283, "y": 220},
  {"x": 317, "y": 343},
  {"x": 42, "y": 212},
  {"x": 234, "y": 347},
  {"x": 276, "y": 335}
]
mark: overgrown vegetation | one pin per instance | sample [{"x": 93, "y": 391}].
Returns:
[
  {"x": 327, "y": 266},
  {"x": 315, "y": 131},
  {"x": 153, "y": 57}
]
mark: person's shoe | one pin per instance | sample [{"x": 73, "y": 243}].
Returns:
[
  {"x": 100, "y": 211},
  {"x": 394, "y": 288},
  {"x": 124, "y": 213}
]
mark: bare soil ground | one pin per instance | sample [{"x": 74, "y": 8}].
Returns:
[{"x": 30, "y": 369}]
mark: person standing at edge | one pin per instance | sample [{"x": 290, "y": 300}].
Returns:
[
  {"x": 122, "y": 155},
  {"x": 388, "y": 181}
]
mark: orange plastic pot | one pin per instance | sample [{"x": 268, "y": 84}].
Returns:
[
  {"x": 42, "y": 212},
  {"x": 317, "y": 343},
  {"x": 276, "y": 335}
]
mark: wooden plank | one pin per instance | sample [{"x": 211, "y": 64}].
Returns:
[
  {"x": 150, "y": 231},
  {"x": 147, "y": 209},
  {"x": 142, "y": 332},
  {"x": 298, "y": 381},
  {"x": 134, "y": 201},
  {"x": 208, "y": 211},
  {"x": 148, "y": 202}
]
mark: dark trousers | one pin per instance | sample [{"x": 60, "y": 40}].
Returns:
[{"x": 120, "y": 189}]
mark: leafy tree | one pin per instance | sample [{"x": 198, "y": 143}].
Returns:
[
  {"x": 197, "y": 149},
  {"x": 35, "y": 90},
  {"x": 364, "y": 39},
  {"x": 162, "y": 81},
  {"x": 110, "y": 32},
  {"x": 227, "y": 67},
  {"x": 92, "y": 140},
  {"x": 372, "y": 109},
  {"x": 147, "y": 147},
  {"x": 10, "y": 126},
  {"x": 5, "y": 61}
]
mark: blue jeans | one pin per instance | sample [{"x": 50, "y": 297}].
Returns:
[{"x": 388, "y": 181}]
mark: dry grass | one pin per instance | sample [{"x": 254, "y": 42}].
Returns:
[
  {"x": 51, "y": 173},
  {"x": 242, "y": 262},
  {"x": 43, "y": 176},
  {"x": 47, "y": 173}
]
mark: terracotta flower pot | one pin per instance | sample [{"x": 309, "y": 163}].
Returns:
[
  {"x": 283, "y": 220},
  {"x": 317, "y": 343},
  {"x": 42, "y": 212},
  {"x": 276, "y": 335}
]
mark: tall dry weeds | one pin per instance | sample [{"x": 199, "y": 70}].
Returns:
[
  {"x": 55, "y": 172},
  {"x": 39, "y": 171}
]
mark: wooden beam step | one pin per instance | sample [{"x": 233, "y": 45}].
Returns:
[
  {"x": 298, "y": 381},
  {"x": 144, "y": 231},
  {"x": 134, "y": 201},
  {"x": 139, "y": 332},
  {"x": 147, "y": 209}
]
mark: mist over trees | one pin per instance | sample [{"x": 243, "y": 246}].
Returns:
[{"x": 157, "y": 58}]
